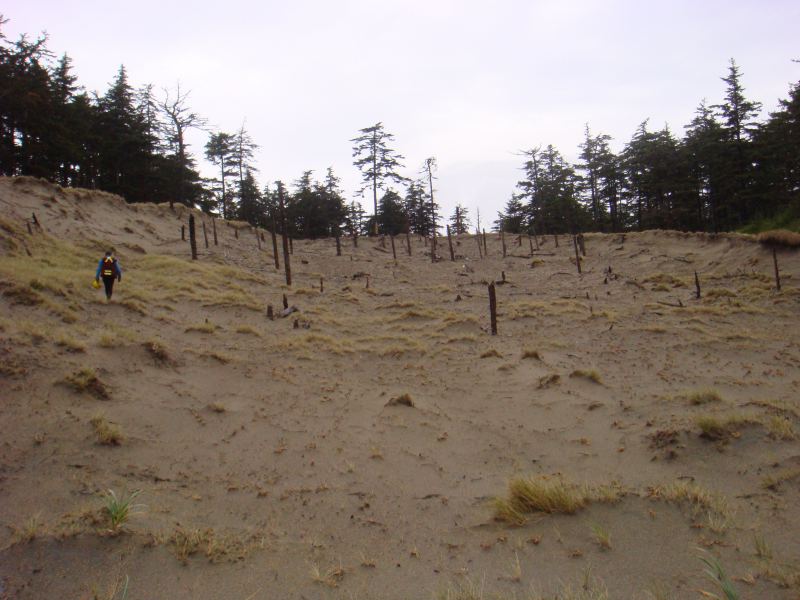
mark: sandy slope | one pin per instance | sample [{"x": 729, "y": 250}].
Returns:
[{"x": 271, "y": 453}]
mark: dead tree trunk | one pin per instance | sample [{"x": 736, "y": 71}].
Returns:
[
  {"x": 582, "y": 244},
  {"x": 493, "y": 308},
  {"x": 205, "y": 234},
  {"x": 433, "y": 246},
  {"x": 530, "y": 243},
  {"x": 485, "y": 247},
  {"x": 577, "y": 254},
  {"x": 338, "y": 243},
  {"x": 192, "y": 239},
  {"x": 236, "y": 232},
  {"x": 183, "y": 233},
  {"x": 214, "y": 229},
  {"x": 291, "y": 245},
  {"x": 258, "y": 239},
  {"x": 478, "y": 239},
  {"x": 408, "y": 242},
  {"x": 503, "y": 241},
  {"x": 450, "y": 244},
  {"x": 275, "y": 245},
  {"x": 394, "y": 252},
  {"x": 777, "y": 272},
  {"x": 287, "y": 267},
  {"x": 555, "y": 237}
]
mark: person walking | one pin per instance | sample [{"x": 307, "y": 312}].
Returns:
[{"x": 108, "y": 268}]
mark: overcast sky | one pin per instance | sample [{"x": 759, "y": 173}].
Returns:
[{"x": 468, "y": 82}]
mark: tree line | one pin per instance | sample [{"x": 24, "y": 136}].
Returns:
[{"x": 729, "y": 169}]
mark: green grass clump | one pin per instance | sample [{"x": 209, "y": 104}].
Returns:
[{"x": 119, "y": 509}]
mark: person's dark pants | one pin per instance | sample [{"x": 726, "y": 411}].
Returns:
[{"x": 109, "y": 283}]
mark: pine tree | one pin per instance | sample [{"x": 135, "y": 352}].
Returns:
[
  {"x": 178, "y": 120},
  {"x": 377, "y": 162},
  {"x": 459, "y": 221},
  {"x": 219, "y": 150}
]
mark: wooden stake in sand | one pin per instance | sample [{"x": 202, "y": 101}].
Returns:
[
  {"x": 214, "y": 229},
  {"x": 287, "y": 267},
  {"x": 338, "y": 243},
  {"x": 285, "y": 302},
  {"x": 321, "y": 285},
  {"x": 205, "y": 233},
  {"x": 355, "y": 238},
  {"x": 777, "y": 272},
  {"x": 394, "y": 252},
  {"x": 408, "y": 241},
  {"x": 433, "y": 246},
  {"x": 555, "y": 237},
  {"x": 275, "y": 245},
  {"x": 503, "y": 240},
  {"x": 183, "y": 233},
  {"x": 258, "y": 240},
  {"x": 450, "y": 244},
  {"x": 530, "y": 243},
  {"x": 582, "y": 244},
  {"x": 478, "y": 239},
  {"x": 192, "y": 240},
  {"x": 577, "y": 254},
  {"x": 236, "y": 232},
  {"x": 696, "y": 286},
  {"x": 493, "y": 308}
]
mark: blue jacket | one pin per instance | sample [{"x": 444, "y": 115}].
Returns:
[{"x": 117, "y": 268}]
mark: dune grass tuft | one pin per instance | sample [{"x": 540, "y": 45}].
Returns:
[
  {"x": 780, "y": 237},
  {"x": 107, "y": 433},
  {"x": 591, "y": 375},
  {"x": 542, "y": 494},
  {"x": 86, "y": 381},
  {"x": 528, "y": 353},
  {"x": 491, "y": 353},
  {"x": 120, "y": 508}
]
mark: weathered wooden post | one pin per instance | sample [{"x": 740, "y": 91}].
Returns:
[
  {"x": 519, "y": 241},
  {"x": 394, "y": 252},
  {"x": 433, "y": 246},
  {"x": 493, "y": 308},
  {"x": 450, "y": 244},
  {"x": 192, "y": 240},
  {"x": 287, "y": 267},
  {"x": 338, "y": 242},
  {"x": 577, "y": 254},
  {"x": 285, "y": 302},
  {"x": 258, "y": 239},
  {"x": 183, "y": 233},
  {"x": 777, "y": 273},
  {"x": 236, "y": 232},
  {"x": 408, "y": 241},
  {"x": 214, "y": 229},
  {"x": 696, "y": 286},
  {"x": 321, "y": 285},
  {"x": 205, "y": 233},
  {"x": 275, "y": 245},
  {"x": 582, "y": 244},
  {"x": 503, "y": 241},
  {"x": 478, "y": 239},
  {"x": 355, "y": 238},
  {"x": 555, "y": 237}
]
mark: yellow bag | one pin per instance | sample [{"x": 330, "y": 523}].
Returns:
[{"x": 95, "y": 284}]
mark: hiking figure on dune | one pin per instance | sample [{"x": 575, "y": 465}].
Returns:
[{"x": 108, "y": 268}]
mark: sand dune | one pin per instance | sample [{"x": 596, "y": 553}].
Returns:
[{"x": 276, "y": 462}]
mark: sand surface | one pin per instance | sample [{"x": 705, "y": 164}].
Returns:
[{"x": 272, "y": 462}]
